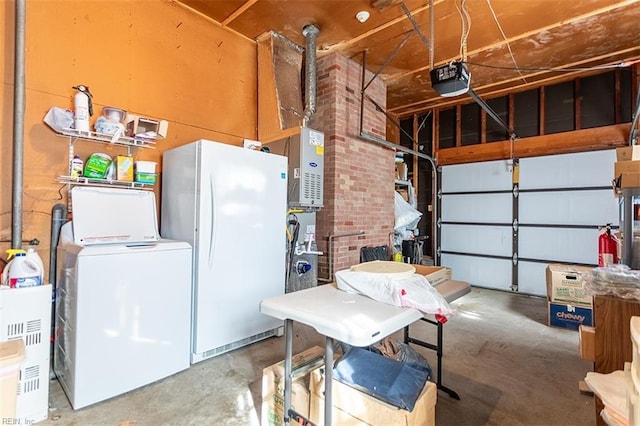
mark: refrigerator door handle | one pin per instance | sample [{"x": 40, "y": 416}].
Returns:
[{"x": 213, "y": 219}]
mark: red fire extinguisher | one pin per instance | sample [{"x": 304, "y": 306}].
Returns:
[{"x": 607, "y": 247}]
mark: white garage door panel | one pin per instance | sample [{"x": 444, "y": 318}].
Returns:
[
  {"x": 490, "y": 273},
  {"x": 491, "y": 240},
  {"x": 532, "y": 278},
  {"x": 491, "y": 208},
  {"x": 563, "y": 207},
  {"x": 487, "y": 176},
  {"x": 568, "y": 170},
  {"x": 559, "y": 245}
]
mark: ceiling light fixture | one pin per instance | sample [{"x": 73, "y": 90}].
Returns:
[{"x": 362, "y": 16}]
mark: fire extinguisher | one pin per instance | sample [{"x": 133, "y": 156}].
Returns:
[{"x": 607, "y": 247}]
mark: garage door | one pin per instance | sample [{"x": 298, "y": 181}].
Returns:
[{"x": 499, "y": 234}]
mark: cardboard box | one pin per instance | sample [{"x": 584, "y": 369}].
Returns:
[
  {"x": 352, "y": 407},
  {"x": 124, "y": 168},
  {"x": 569, "y": 316},
  {"x": 565, "y": 284},
  {"x": 628, "y": 153},
  {"x": 137, "y": 126},
  {"x": 626, "y": 167},
  {"x": 11, "y": 356},
  {"x": 401, "y": 171},
  {"x": 627, "y": 181},
  {"x": 587, "y": 336},
  {"x": 273, "y": 386},
  {"x": 435, "y": 274}
]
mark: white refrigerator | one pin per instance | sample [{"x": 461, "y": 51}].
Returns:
[{"x": 230, "y": 204}]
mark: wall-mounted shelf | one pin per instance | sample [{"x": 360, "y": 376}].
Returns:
[
  {"x": 127, "y": 142},
  {"x": 105, "y": 138},
  {"x": 109, "y": 183}
]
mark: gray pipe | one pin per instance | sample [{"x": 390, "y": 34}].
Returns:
[
  {"x": 330, "y": 250},
  {"x": 311, "y": 72},
  {"x": 58, "y": 218},
  {"x": 18, "y": 127}
]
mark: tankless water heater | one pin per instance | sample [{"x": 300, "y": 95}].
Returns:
[{"x": 305, "y": 151}]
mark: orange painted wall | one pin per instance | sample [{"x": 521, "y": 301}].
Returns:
[{"x": 153, "y": 58}]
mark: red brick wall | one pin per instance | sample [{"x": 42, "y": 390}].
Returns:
[{"x": 359, "y": 175}]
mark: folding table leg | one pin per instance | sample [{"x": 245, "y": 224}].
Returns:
[
  {"x": 453, "y": 394},
  {"x": 438, "y": 348},
  {"x": 328, "y": 379},
  {"x": 288, "y": 374}
]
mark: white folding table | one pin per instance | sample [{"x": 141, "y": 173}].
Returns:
[{"x": 346, "y": 317}]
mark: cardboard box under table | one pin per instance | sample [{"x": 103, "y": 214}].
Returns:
[
  {"x": 273, "y": 386},
  {"x": 352, "y": 407}
]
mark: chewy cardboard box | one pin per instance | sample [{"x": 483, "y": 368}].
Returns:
[
  {"x": 352, "y": 407},
  {"x": 273, "y": 386},
  {"x": 569, "y": 316},
  {"x": 565, "y": 284},
  {"x": 435, "y": 274}
]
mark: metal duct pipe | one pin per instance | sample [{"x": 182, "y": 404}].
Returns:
[
  {"x": 330, "y": 250},
  {"x": 311, "y": 72},
  {"x": 18, "y": 126}
]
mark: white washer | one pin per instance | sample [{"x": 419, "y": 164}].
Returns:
[{"x": 122, "y": 309}]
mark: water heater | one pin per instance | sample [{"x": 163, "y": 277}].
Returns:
[{"x": 305, "y": 150}]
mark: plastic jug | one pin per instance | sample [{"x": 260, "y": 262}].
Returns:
[
  {"x": 34, "y": 256},
  {"x": 22, "y": 271}
]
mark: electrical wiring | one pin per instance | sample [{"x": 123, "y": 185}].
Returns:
[
  {"x": 432, "y": 34},
  {"x": 466, "y": 28},
  {"x": 504, "y": 36}
]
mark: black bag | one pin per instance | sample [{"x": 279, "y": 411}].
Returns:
[{"x": 368, "y": 254}]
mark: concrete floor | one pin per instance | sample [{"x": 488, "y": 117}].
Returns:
[{"x": 507, "y": 365}]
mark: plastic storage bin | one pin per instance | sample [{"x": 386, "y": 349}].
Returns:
[{"x": 11, "y": 355}]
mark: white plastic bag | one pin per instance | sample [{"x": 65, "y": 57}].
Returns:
[
  {"x": 410, "y": 291},
  {"x": 405, "y": 215},
  {"x": 59, "y": 119}
]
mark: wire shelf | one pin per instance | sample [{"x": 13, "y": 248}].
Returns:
[
  {"x": 108, "y": 183},
  {"x": 105, "y": 138}
]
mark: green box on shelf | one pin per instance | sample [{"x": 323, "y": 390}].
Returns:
[{"x": 142, "y": 177}]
